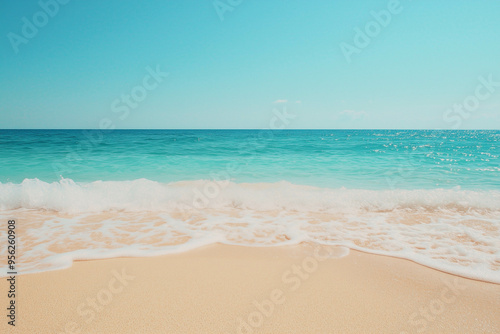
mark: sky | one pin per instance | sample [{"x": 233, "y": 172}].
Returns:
[{"x": 237, "y": 64}]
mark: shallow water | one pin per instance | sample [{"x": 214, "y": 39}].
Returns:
[{"x": 432, "y": 197}]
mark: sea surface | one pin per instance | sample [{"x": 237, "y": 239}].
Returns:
[{"x": 429, "y": 196}]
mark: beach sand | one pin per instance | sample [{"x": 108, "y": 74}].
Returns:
[{"x": 233, "y": 289}]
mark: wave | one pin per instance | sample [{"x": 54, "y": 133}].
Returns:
[
  {"x": 454, "y": 230},
  {"x": 142, "y": 194}
]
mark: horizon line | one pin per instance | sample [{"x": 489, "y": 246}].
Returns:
[{"x": 252, "y": 129}]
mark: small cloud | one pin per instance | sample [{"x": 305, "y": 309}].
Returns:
[
  {"x": 298, "y": 101},
  {"x": 280, "y": 101},
  {"x": 352, "y": 114}
]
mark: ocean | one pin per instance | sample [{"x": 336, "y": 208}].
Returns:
[{"x": 432, "y": 197}]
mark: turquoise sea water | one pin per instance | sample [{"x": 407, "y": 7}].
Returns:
[
  {"x": 370, "y": 159},
  {"x": 429, "y": 196}
]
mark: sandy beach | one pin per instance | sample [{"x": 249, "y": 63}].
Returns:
[
  {"x": 186, "y": 167},
  {"x": 233, "y": 289}
]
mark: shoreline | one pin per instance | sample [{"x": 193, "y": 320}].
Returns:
[
  {"x": 236, "y": 289},
  {"x": 266, "y": 247}
]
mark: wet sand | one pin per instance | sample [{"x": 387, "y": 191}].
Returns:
[{"x": 233, "y": 289}]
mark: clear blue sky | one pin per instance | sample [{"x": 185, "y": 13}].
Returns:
[{"x": 232, "y": 73}]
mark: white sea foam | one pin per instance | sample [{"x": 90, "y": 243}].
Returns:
[
  {"x": 454, "y": 230},
  {"x": 142, "y": 194}
]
